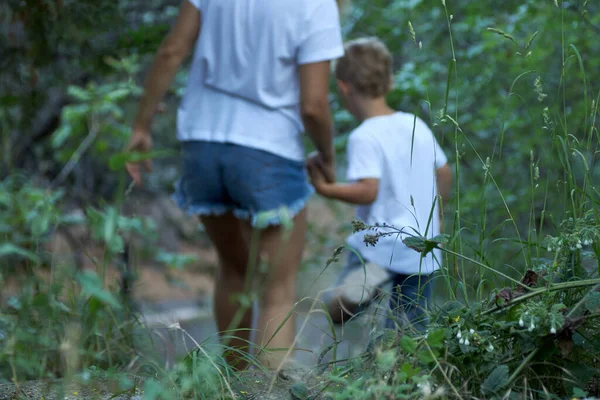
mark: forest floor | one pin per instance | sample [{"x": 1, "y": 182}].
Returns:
[{"x": 165, "y": 296}]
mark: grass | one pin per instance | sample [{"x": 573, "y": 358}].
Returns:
[{"x": 522, "y": 327}]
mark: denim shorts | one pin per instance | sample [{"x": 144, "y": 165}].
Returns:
[{"x": 217, "y": 178}]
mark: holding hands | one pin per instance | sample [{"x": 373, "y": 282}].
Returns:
[{"x": 321, "y": 172}]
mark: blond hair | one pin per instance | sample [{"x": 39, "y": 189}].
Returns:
[{"x": 367, "y": 66}]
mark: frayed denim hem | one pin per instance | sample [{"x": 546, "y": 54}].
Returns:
[
  {"x": 281, "y": 216},
  {"x": 261, "y": 220},
  {"x": 195, "y": 209}
]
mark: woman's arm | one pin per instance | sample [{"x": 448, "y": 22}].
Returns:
[
  {"x": 316, "y": 114},
  {"x": 170, "y": 55}
]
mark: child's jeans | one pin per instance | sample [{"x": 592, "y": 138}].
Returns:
[{"x": 408, "y": 300}]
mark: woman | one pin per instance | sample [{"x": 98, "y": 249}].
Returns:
[{"x": 259, "y": 79}]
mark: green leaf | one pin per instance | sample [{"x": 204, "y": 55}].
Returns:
[
  {"x": 593, "y": 301},
  {"x": 79, "y": 93},
  {"x": 61, "y": 135},
  {"x": 116, "y": 95},
  {"x": 579, "y": 393},
  {"x": 9, "y": 249},
  {"x": 110, "y": 225},
  {"x": 40, "y": 225},
  {"x": 409, "y": 370},
  {"x": 91, "y": 284},
  {"x": 425, "y": 246},
  {"x": 496, "y": 380},
  {"x": 436, "y": 338},
  {"x": 408, "y": 345}
]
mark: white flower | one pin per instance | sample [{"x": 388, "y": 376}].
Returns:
[
  {"x": 532, "y": 326},
  {"x": 490, "y": 348},
  {"x": 471, "y": 331},
  {"x": 521, "y": 322},
  {"x": 579, "y": 245},
  {"x": 467, "y": 342},
  {"x": 553, "y": 330},
  {"x": 459, "y": 334},
  {"x": 549, "y": 248},
  {"x": 461, "y": 341}
]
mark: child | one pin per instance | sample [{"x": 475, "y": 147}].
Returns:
[{"x": 394, "y": 162}]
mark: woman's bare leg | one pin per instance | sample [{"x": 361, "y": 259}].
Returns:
[
  {"x": 276, "y": 289},
  {"x": 229, "y": 236}
]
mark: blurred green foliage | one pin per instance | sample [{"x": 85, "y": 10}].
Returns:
[{"x": 509, "y": 90}]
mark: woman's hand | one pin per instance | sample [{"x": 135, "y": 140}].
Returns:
[
  {"x": 326, "y": 167},
  {"x": 317, "y": 177},
  {"x": 141, "y": 141}
]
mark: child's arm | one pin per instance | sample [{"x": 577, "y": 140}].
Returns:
[{"x": 363, "y": 191}]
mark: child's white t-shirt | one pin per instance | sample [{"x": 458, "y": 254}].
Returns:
[
  {"x": 403, "y": 154},
  {"x": 243, "y": 86}
]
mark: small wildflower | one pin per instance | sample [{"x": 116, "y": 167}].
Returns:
[
  {"x": 471, "y": 331},
  {"x": 579, "y": 245},
  {"x": 521, "y": 322},
  {"x": 532, "y": 326},
  {"x": 539, "y": 90},
  {"x": 459, "y": 334},
  {"x": 467, "y": 342},
  {"x": 426, "y": 388},
  {"x": 549, "y": 248},
  {"x": 174, "y": 326},
  {"x": 490, "y": 348},
  {"x": 553, "y": 330},
  {"x": 461, "y": 341}
]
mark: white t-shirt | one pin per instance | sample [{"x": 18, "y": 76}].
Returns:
[
  {"x": 244, "y": 86},
  {"x": 381, "y": 148}
]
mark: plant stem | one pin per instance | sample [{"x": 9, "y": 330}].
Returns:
[
  {"x": 553, "y": 288},
  {"x": 580, "y": 302},
  {"x": 482, "y": 265},
  {"x": 432, "y": 354},
  {"x": 520, "y": 368}
]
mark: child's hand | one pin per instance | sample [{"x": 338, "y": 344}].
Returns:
[
  {"x": 317, "y": 178},
  {"x": 327, "y": 167}
]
